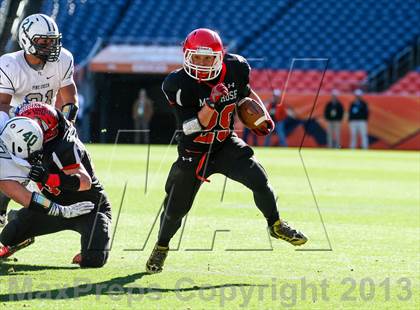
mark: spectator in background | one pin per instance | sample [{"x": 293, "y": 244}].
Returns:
[
  {"x": 358, "y": 116},
  {"x": 278, "y": 113},
  {"x": 142, "y": 114},
  {"x": 333, "y": 113}
]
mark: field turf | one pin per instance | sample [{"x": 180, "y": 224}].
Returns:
[{"x": 366, "y": 256}]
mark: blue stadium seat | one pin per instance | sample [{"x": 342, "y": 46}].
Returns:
[
  {"x": 346, "y": 29},
  {"x": 353, "y": 34}
]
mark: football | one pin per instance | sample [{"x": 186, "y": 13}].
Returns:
[{"x": 251, "y": 113}]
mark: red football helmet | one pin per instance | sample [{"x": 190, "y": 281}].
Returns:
[
  {"x": 204, "y": 42},
  {"x": 46, "y": 116}
]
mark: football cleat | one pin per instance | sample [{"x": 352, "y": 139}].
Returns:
[
  {"x": 157, "y": 259},
  {"x": 77, "y": 260},
  {"x": 282, "y": 230},
  {"x": 7, "y": 251}
]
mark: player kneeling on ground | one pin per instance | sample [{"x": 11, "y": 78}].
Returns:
[
  {"x": 204, "y": 96},
  {"x": 65, "y": 175},
  {"x": 20, "y": 142}
]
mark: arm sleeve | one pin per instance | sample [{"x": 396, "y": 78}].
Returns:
[
  {"x": 179, "y": 99},
  {"x": 66, "y": 68},
  {"x": 7, "y": 85},
  {"x": 70, "y": 156},
  {"x": 244, "y": 71},
  {"x": 169, "y": 89}
]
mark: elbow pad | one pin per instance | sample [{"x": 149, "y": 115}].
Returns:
[{"x": 191, "y": 126}]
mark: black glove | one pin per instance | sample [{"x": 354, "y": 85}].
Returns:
[
  {"x": 38, "y": 174},
  {"x": 35, "y": 158}
]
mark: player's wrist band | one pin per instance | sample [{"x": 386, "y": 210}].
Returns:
[
  {"x": 192, "y": 126},
  {"x": 39, "y": 203},
  {"x": 64, "y": 181},
  {"x": 70, "y": 111}
]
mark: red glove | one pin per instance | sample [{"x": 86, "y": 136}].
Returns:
[
  {"x": 265, "y": 128},
  {"x": 216, "y": 93}
]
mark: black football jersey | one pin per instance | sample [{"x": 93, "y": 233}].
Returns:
[
  {"x": 68, "y": 152},
  {"x": 187, "y": 96}
]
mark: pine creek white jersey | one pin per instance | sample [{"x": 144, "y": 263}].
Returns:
[
  {"x": 11, "y": 170},
  {"x": 4, "y": 117},
  {"x": 21, "y": 81}
]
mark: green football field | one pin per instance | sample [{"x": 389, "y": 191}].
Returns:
[{"x": 366, "y": 256}]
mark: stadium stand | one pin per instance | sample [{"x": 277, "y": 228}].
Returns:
[
  {"x": 306, "y": 81},
  {"x": 408, "y": 85},
  {"x": 346, "y": 37},
  {"x": 172, "y": 22},
  {"x": 353, "y": 34},
  {"x": 82, "y": 22}
]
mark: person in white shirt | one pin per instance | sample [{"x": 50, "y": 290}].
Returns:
[{"x": 41, "y": 71}]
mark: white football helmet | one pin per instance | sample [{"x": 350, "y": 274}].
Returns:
[
  {"x": 22, "y": 138},
  {"x": 39, "y": 36}
]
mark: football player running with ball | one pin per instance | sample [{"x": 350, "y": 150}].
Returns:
[
  {"x": 204, "y": 94},
  {"x": 40, "y": 72}
]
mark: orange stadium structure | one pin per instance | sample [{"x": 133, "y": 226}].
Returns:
[{"x": 394, "y": 121}]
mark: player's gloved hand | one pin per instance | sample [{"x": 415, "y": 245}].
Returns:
[
  {"x": 265, "y": 128},
  {"x": 74, "y": 210},
  {"x": 38, "y": 173},
  {"x": 40, "y": 203},
  {"x": 216, "y": 94}
]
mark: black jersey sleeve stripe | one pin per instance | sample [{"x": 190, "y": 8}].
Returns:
[
  {"x": 71, "y": 63},
  {"x": 7, "y": 88},
  {"x": 14, "y": 89},
  {"x": 57, "y": 161}
]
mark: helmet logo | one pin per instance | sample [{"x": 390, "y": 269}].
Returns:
[{"x": 26, "y": 22}]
